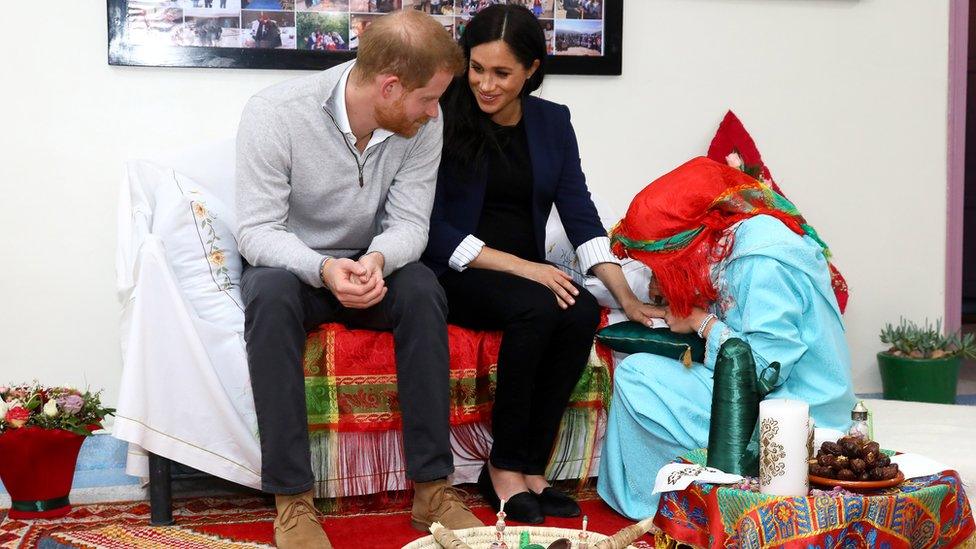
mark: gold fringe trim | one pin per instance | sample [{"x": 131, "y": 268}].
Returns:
[{"x": 664, "y": 541}]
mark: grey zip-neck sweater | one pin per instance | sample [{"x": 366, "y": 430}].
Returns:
[{"x": 299, "y": 198}]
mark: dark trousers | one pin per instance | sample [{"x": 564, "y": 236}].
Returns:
[
  {"x": 280, "y": 310},
  {"x": 543, "y": 352}
]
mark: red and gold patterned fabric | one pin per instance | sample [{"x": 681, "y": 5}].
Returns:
[
  {"x": 920, "y": 513},
  {"x": 350, "y": 378}
]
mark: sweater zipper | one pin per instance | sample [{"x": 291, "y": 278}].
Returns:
[{"x": 355, "y": 157}]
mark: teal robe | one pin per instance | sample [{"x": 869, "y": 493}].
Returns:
[{"x": 774, "y": 293}]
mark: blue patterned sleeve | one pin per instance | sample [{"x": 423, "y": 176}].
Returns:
[{"x": 769, "y": 299}]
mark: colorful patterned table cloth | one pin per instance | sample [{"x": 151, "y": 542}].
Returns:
[
  {"x": 350, "y": 378},
  {"x": 924, "y": 512}
]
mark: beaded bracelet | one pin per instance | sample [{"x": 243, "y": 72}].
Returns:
[{"x": 704, "y": 323}]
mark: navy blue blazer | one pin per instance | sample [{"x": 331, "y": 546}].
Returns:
[{"x": 557, "y": 180}]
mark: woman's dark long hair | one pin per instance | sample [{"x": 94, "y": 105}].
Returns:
[{"x": 467, "y": 130}]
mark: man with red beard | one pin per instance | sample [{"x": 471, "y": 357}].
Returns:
[{"x": 336, "y": 175}]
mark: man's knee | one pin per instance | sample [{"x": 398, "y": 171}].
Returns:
[
  {"x": 417, "y": 289},
  {"x": 263, "y": 287}
]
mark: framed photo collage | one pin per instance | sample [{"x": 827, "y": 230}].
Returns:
[{"x": 583, "y": 36}]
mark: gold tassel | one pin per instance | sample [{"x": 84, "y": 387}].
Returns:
[
  {"x": 446, "y": 537},
  {"x": 628, "y": 535},
  {"x": 686, "y": 357}
]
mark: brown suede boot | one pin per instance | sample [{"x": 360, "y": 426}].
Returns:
[
  {"x": 297, "y": 525},
  {"x": 438, "y": 501}
]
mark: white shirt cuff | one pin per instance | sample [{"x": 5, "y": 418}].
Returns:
[
  {"x": 595, "y": 251},
  {"x": 467, "y": 250}
]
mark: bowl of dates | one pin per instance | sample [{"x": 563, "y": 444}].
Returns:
[{"x": 855, "y": 464}]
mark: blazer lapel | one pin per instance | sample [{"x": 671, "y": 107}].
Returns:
[
  {"x": 537, "y": 142},
  {"x": 542, "y": 183}
]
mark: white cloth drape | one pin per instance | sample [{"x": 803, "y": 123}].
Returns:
[{"x": 185, "y": 391}]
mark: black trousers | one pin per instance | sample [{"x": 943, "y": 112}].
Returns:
[
  {"x": 543, "y": 352},
  {"x": 280, "y": 310}
]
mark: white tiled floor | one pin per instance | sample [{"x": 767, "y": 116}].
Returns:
[{"x": 942, "y": 432}]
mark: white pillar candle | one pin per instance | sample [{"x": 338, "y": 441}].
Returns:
[{"x": 783, "y": 431}]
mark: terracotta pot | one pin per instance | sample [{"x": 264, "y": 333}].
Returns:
[{"x": 37, "y": 467}]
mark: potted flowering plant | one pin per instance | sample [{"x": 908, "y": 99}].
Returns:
[
  {"x": 41, "y": 431},
  {"x": 922, "y": 362}
]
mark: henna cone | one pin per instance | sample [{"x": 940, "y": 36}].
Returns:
[
  {"x": 446, "y": 538},
  {"x": 628, "y": 535}
]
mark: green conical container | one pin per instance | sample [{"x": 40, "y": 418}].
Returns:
[{"x": 919, "y": 379}]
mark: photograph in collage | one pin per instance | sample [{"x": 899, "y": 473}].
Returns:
[
  {"x": 322, "y": 5},
  {"x": 323, "y": 31},
  {"x": 433, "y": 7},
  {"x": 152, "y": 23},
  {"x": 579, "y": 9},
  {"x": 268, "y": 29},
  {"x": 468, "y": 8},
  {"x": 459, "y": 25},
  {"x": 374, "y": 6},
  {"x": 358, "y": 23},
  {"x": 579, "y": 37},
  {"x": 226, "y": 8},
  {"x": 448, "y": 23},
  {"x": 543, "y": 9},
  {"x": 280, "y": 5},
  {"x": 211, "y": 31},
  {"x": 548, "y": 27}
]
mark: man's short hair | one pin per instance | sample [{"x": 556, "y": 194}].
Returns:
[{"x": 410, "y": 45}]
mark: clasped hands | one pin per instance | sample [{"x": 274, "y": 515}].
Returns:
[{"x": 356, "y": 284}]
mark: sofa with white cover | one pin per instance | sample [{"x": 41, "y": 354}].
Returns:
[{"x": 185, "y": 391}]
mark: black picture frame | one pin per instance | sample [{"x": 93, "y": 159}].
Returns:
[{"x": 124, "y": 54}]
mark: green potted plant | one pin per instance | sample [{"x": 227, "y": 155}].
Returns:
[{"x": 922, "y": 361}]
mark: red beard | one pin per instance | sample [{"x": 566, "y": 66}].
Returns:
[{"x": 394, "y": 119}]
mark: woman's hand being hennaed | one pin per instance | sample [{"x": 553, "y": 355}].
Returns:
[
  {"x": 551, "y": 277},
  {"x": 643, "y": 313}
]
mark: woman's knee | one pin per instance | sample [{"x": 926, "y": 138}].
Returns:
[
  {"x": 584, "y": 315},
  {"x": 643, "y": 370},
  {"x": 537, "y": 303}
]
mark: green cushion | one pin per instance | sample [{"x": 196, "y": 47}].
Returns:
[{"x": 633, "y": 337}]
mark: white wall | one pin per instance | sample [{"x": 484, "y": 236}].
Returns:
[{"x": 846, "y": 98}]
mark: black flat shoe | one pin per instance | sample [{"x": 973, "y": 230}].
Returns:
[
  {"x": 554, "y": 503},
  {"x": 522, "y": 507}
]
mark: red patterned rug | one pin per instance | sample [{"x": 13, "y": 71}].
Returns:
[{"x": 243, "y": 522}]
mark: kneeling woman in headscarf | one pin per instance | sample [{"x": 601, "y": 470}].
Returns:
[{"x": 734, "y": 259}]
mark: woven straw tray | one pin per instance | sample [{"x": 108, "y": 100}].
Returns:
[{"x": 481, "y": 538}]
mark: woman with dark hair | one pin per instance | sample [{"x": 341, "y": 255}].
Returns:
[{"x": 508, "y": 158}]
